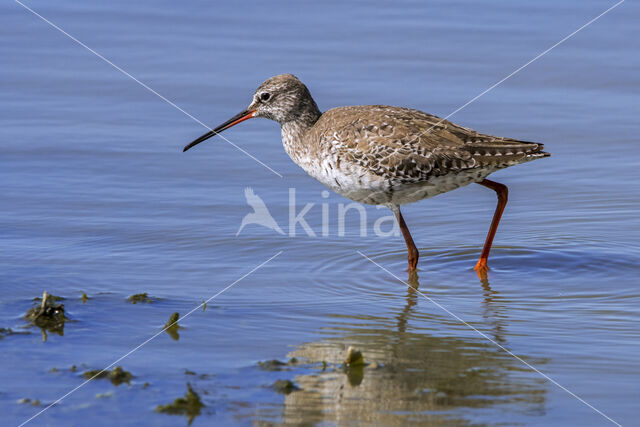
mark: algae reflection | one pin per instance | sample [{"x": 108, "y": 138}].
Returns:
[{"x": 413, "y": 376}]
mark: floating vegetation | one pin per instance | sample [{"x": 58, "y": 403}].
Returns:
[
  {"x": 276, "y": 365},
  {"x": 104, "y": 395},
  {"x": 117, "y": 376},
  {"x": 200, "y": 376},
  {"x": 47, "y": 315},
  {"x": 140, "y": 298},
  {"x": 189, "y": 405},
  {"x": 172, "y": 327},
  {"x": 354, "y": 357},
  {"x": 354, "y": 366},
  {"x": 173, "y": 320},
  {"x": 271, "y": 365},
  {"x": 284, "y": 386}
]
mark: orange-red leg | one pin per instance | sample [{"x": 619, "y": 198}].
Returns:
[
  {"x": 503, "y": 194},
  {"x": 411, "y": 247}
]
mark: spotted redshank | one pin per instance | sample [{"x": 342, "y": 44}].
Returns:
[{"x": 384, "y": 155}]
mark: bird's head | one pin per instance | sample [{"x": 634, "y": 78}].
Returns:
[{"x": 282, "y": 98}]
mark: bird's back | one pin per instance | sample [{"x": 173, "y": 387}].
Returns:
[
  {"x": 410, "y": 145},
  {"x": 379, "y": 154}
]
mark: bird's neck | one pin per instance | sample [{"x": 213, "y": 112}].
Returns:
[{"x": 295, "y": 130}]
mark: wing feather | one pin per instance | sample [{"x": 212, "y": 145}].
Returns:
[{"x": 413, "y": 146}]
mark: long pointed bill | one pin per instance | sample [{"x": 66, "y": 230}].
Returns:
[{"x": 245, "y": 115}]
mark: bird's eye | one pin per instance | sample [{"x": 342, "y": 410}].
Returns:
[{"x": 265, "y": 96}]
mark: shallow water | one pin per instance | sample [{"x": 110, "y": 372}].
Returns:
[{"x": 98, "y": 198}]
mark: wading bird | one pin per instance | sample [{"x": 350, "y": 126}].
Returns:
[{"x": 382, "y": 155}]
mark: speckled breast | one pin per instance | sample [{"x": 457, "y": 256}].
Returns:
[{"x": 363, "y": 185}]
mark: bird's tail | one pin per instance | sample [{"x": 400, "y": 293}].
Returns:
[{"x": 506, "y": 151}]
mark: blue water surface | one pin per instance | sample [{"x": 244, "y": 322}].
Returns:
[{"x": 98, "y": 198}]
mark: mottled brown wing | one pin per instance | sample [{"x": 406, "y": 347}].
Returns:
[{"x": 413, "y": 146}]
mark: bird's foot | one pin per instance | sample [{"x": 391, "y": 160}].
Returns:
[{"x": 482, "y": 268}]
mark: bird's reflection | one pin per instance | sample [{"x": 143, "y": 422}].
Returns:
[
  {"x": 494, "y": 312},
  {"x": 412, "y": 300},
  {"x": 419, "y": 369}
]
